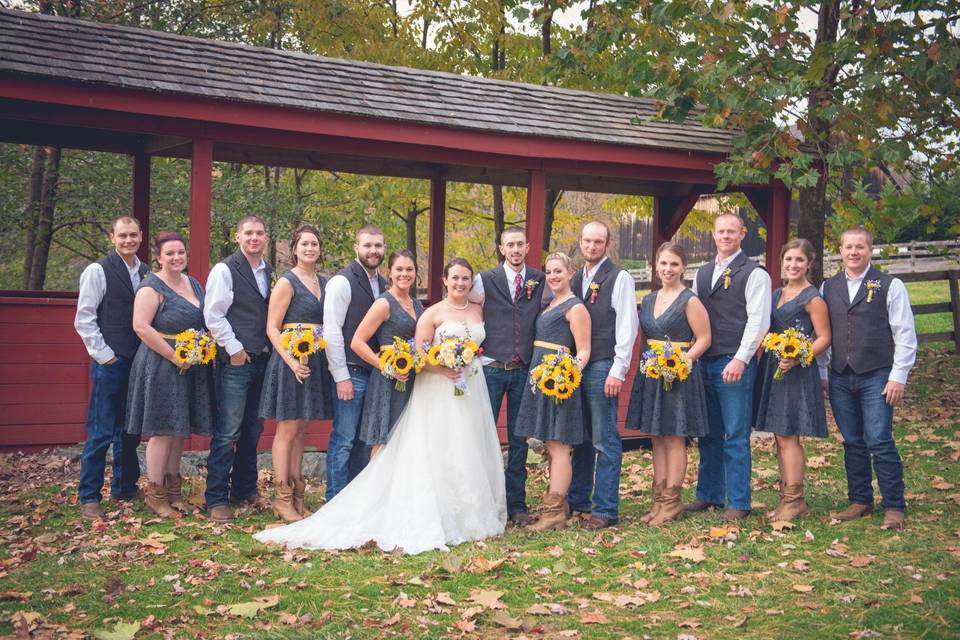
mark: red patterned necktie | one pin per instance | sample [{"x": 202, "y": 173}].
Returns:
[{"x": 516, "y": 287}]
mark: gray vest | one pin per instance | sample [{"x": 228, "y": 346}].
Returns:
[
  {"x": 727, "y": 307},
  {"x": 862, "y": 339},
  {"x": 361, "y": 299},
  {"x": 115, "y": 312},
  {"x": 603, "y": 318},
  {"x": 247, "y": 314},
  {"x": 510, "y": 326}
]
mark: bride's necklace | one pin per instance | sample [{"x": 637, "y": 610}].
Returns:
[{"x": 453, "y": 306}]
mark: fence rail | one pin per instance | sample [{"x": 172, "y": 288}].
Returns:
[{"x": 952, "y": 276}]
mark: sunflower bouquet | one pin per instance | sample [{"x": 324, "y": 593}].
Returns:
[
  {"x": 666, "y": 362},
  {"x": 792, "y": 343},
  {"x": 194, "y": 347},
  {"x": 557, "y": 376},
  {"x": 400, "y": 358},
  {"x": 455, "y": 353},
  {"x": 302, "y": 341}
]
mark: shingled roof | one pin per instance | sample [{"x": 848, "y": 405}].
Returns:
[{"x": 46, "y": 47}]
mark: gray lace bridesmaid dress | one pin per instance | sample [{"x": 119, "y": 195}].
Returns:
[
  {"x": 682, "y": 411},
  {"x": 161, "y": 401},
  {"x": 382, "y": 403},
  {"x": 283, "y": 397},
  {"x": 794, "y": 405},
  {"x": 539, "y": 416}
]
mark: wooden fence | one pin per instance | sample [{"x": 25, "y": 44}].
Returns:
[{"x": 953, "y": 307}]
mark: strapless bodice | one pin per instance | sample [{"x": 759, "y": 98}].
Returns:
[{"x": 449, "y": 328}]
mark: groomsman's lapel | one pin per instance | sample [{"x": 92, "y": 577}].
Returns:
[
  {"x": 363, "y": 279},
  {"x": 862, "y": 291},
  {"x": 734, "y": 267},
  {"x": 120, "y": 267},
  {"x": 500, "y": 280},
  {"x": 247, "y": 272}
]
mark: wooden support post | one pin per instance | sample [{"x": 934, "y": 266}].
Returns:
[
  {"x": 201, "y": 185},
  {"x": 140, "y": 201},
  {"x": 669, "y": 212},
  {"x": 536, "y": 201},
  {"x": 778, "y": 228},
  {"x": 952, "y": 277},
  {"x": 438, "y": 214}
]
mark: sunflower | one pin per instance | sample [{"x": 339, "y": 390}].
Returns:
[
  {"x": 470, "y": 344},
  {"x": 320, "y": 342},
  {"x": 186, "y": 336},
  {"x": 775, "y": 341},
  {"x": 302, "y": 346},
  {"x": 573, "y": 376},
  {"x": 653, "y": 373},
  {"x": 683, "y": 372},
  {"x": 183, "y": 354},
  {"x": 669, "y": 362},
  {"x": 433, "y": 356},
  {"x": 285, "y": 339},
  {"x": 790, "y": 348},
  {"x": 402, "y": 363},
  {"x": 386, "y": 356},
  {"x": 548, "y": 386},
  {"x": 538, "y": 371},
  {"x": 563, "y": 391}
]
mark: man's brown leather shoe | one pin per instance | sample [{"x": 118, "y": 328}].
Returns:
[
  {"x": 893, "y": 520},
  {"x": 221, "y": 513},
  {"x": 522, "y": 519},
  {"x": 700, "y": 505},
  {"x": 734, "y": 515},
  {"x": 91, "y": 510},
  {"x": 598, "y": 522},
  {"x": 852, "y": 512},
  {"x": 128, "y": 497}
]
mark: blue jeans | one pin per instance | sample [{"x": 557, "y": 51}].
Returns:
[
  {"x": 597, "y": 461},
  {"x": 105, "y": 427},
  {"x": 232, "y": 463},
  {"x": 866, "y": 424},
  {"x": 725, "y": 463},
  {"x": 511, "y": 383},
  {"x": 347, "y": 455}
]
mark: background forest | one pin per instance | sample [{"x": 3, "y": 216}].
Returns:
[{"x": 872, "y": 87}]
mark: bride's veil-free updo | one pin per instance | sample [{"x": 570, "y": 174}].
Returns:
[{"x": 457, "y": 262}]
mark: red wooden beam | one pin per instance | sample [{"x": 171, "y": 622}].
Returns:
[
  {"x": 141, "y": 201},
  {"x": 536, "y": 201},
  {"x": 438, "y": 215},
  {"x": 778, "y": 228},
  {"x": 364, "y": 128},
  {"x": 201, "y": 184}
]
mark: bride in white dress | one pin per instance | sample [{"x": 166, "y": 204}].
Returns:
[{"x": 439, "y": 479}]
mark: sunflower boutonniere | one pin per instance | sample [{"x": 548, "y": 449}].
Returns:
[
  {"x": 531, "y": 285},
  {"x": 872, "y": 286},
  {"x": 594, "y": 290},
  {"x": 726, "y": 278}
]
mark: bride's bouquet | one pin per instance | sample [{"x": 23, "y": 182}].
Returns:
[
  {"x": 455, "y": 353},
  {"x": 400, "y": 358}
]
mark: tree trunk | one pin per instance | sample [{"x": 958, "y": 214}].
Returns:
[
  {"x": 410, "y": 225},
  {"x": 499, "y": 218},
  {"x": 44, "y": 233},
  {"x": 33, "y": 211},
  {"x": 551, "y": 199}
]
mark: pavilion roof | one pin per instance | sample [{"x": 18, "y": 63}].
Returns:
[{"x": 52, "y": 48}]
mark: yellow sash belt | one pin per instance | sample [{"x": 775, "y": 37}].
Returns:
[
  {"x": 659, "y": 344},
  {"x": 551, "y": 345},
  {"x": 301, "y": 325}
]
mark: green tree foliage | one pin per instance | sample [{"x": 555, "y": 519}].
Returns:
[{"x": 867, "y": 86}]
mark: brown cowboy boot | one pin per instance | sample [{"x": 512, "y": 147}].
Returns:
[
  {"x": 657, "y": 491},
  {"x": 852, "y": 512},
  {"x": 671, "y": 507},
  {"x": 175, "y": 492},
  {"x": 774, "y": 515},
  {"x": 553, "y": 513},
  {"x": 793, "y": 504},
  {"x": 893, "y": 520},
  {"x": 155, "y": 498},
  {"x": 299, "y": 491},
  {"x": 283, "y": 502}
]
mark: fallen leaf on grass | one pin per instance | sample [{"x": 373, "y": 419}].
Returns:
[
  {"x": 817, "y": 462},
  {"x": 21, "y": 596},
  {"x": 24, "y": 622},
  {"x": 471, "y": 612},
  {"x": 861, "y": 561},
  {"x": 548, "y": 609},
  {"x": 688, "y": 624},
  {"x": 405, "y": 601},
  {"x": 121, "y": 631},
  {"x": 467, "y": 626},
  {"x": 780, "y": 525},
  {"x": 251, "y": 609},
  {"x": 482, "y": 565},
  {"x": 719, "y": 533},
  {"x": 504, "y": 619},
  {"x": 388, "y": 622},
  {"x": 593, "y": 617},
  {"x": 941, "y": 485},
  {"x": 693, "y": 554},
  {"x": 488, "y": 599},
  {"x": 803, "y": 588},
  {"x": 621, "y": 600}
]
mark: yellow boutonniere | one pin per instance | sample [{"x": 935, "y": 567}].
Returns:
[
  {"x": 726, "y": 278},
  {"x": 594, "y": 290},
  {"x": 531, "y": 285},
  {"x": 872, "y": 285}
]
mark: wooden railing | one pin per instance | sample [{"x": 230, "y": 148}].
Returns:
[{"x": 953, "y": 307}]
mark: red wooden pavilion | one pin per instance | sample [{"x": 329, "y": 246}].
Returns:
[{"x": 100, "y": 87}]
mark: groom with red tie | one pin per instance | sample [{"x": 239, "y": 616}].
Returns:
[{"x": 512, "y": 296}]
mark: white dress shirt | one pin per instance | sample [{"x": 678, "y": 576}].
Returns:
[
  {"x": 93, "y": 286},
  {"x": 218, "y": 298},
  {"x": 900, "y": 316},
  {"x": 758, "y": 294},
  {"x": 336, "y": 301},
  {"x": 477, "y": 293},
  {"x": 624, "y": 303}
]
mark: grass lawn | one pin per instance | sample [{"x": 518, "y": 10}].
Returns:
[{"x": 129, "y": 576}]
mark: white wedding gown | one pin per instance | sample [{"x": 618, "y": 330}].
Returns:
[{"x": 437, "y": 482}]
